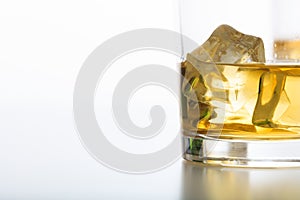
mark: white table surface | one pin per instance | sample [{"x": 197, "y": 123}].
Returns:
[{"x": 42, "y": 158}]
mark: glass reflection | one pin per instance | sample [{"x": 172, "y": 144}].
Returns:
[{"x": 221, "y": 183}]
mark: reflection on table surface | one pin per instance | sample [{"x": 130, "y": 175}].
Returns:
[{"x": 221, "y": 183}]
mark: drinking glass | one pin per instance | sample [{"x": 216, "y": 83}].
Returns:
[{"x": 240, "y": 104}]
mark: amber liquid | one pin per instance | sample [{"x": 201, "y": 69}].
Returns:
[
  {"x": 287, "y": 49},
  {"x": 242, "y": 101}
]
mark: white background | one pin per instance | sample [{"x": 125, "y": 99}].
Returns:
[{"x": 42, "y": 47}]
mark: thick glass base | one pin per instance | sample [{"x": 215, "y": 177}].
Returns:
[{"x": 242, "y": 153}]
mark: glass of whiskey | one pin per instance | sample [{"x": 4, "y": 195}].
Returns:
[{"x": 240, "y": 88}]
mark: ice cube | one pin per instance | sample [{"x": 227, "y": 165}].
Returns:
[
  {"x": 193, "y": 86},
  {"x": 271, "y": 98},
  {"x": 228, "y": 45},
  {"x": 243, "y": 84},
  {"x": 279, "y": 100},
  {"x": 225, "y": 45},
  {"x": 204, "y": 81}
]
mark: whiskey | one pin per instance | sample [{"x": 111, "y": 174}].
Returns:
[
  {"x": 242, "y": 101},
  {"x": 287, "y": 49}
]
